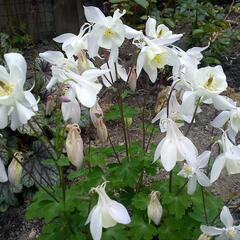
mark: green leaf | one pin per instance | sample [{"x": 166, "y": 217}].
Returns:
[
  {"x": 115, "y": 233},
  {"x": 63, "y": 162},
  {"x": 140, "y": 201},
  {"x": 143, "y": 3},
  {"x": 197, "y": 31}
]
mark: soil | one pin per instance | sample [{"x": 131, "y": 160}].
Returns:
[{"x": 13, "y": 225}]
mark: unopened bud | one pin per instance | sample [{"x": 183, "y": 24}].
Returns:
[
  {"x": 74, "y": 145},
  {"x": 15, "y": 169},
  {"x": 102, "y": 132},
  {"x": 49, "y": 105},
  {"x": 3, "y": 174},
  {"x": 204, "y": 236},
  {"x": 128, "y": 121},
  {"x": 132, "y": 81},
  {"x": 154, "y": 209},
  {"x": 96, "y": 112}
]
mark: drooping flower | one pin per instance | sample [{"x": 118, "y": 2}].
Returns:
[
  {"x": 107, "y": 213},
  {"x": 16, "y": 105},
  {"x": 193, "y": 170},
  {"x": 154, "y": 209},
  {"x": 102, "y": 131},
  {"x": 3, "y": 174},
  {"x": 96, "y": 112},
  {"x": 174, "y": 147},
  {"x": 71, "y": 108},
  {"x": 132, "y": 80},
  {"x": 230, "y": 158},
  {"x": 229, "y": 232},
  {"x": 74, "y": 145},
  {"x": 15, "y": 169}
]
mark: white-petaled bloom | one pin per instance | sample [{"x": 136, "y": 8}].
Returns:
[
  {"x": 86, "y": 86},
  {"x": 16, "y": 105},
  {"x": 174, "y": 147},
  {"x": 108, "y": 32},
  {"x": 74, "y": 145},
  {"x": 107, "y": 213},
  {"x": 174, "y": 113},
  {"x": 232, "y": 118},
  {"x": 111, "y": 77},
  {"x": 60, "y": 65},
  {"x": 15, "y": 169},
  {"x": 154, "y": 209},
  {"x": 207, "y": 83},
  {"x": 71, "y": 109},
  {"x": 3, "y": 174},
  {"x": 73, "y": 44},
  {"x": 161, "y": 32},
  {"x": 230, "y": 158},
  {"x": 153, "y": 57},
  {"x": 229, "y": 232},
  {"x": 194, "y": 172}
]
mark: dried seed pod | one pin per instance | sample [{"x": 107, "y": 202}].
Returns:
[
  {"x": 132, "y": 81},
  {"x": 102, "y": 132}
]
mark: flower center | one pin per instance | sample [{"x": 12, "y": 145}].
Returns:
[
  {"x": 158, "y": 59},
  {"x": 187, "y": 170},
  {"x": 232, "y": 233},
  {"x": 210, "y": 83},
  {"x": 6, "y": 89},
  {"x": 108, "y": 33}
]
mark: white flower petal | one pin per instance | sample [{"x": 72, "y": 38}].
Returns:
[
  {"x": 202, "y": 159},
  {"x": 150, "y": 27},
  {"x": 222, "y": 102},
  {"x": 96, "y": 224},
  {"x": 94, "y": 15},
  {"x": 203, "y": 180},
  {"x": 191, "y": 185},
  {"x": 3, "y": 116},
  {"x": 119, "y": 213},
  {"x": 211, "y": 231},
  {"x": 221, "y": 119},
  {"x": 168, "y": 155},
  {"x": 53, "y": 57},
  {"x": 64, "y": 37},
  {"x": 226, "y": 217},
  {"x": 217, "y": 167}
]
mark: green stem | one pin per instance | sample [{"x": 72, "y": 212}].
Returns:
[
  {"x": 204, "y": 205},
  {"x": 114, "y": 150},
  {"x": 143, "y": 123},
  {"x": 170, "y": 181},
  {"x": 194, "y": 115}
]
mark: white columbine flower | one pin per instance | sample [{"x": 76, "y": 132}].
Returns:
[
  {"x": 16, "y": 105},
  {"x": 161, "y": 33},
  {"x": 194, "y": 172},
  {"x": 73, "y": 44},
  {"x": 229, "y": 232},
  {"x": 174, "y": 147},
  {"x": 153, "y": 57},
  {"x": 230, "y": 158},
  {"x": 3, "y": 174},
  {"x": 174, "y": 114},
  {"x": 231, "y": 116},
  {"x": 108, "y": 32},
  {"x": 107, "y": 213}
]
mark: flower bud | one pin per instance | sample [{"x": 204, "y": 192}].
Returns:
[
  {"x": 102, "y": 132},
  {"x": 204, "y": 236},
  {"x": 96, "y": 112},
  {"x": 74, "y": 145},
  {"x": 15, "y": 169},
  {"x": 128, "y": 121},
  {"x": 49, "y": 105},
  {"x": 3, "y": 174},
  {"x": 154, "y": 209},
  {"x": 132, "y": 81}
]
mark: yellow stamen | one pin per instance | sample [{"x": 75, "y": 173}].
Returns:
[
  {"x": 210, "y": 84},
  {"x": 108, "y": 33},
  {"x": 187, "y": 170},
  {"x": 6, "y": 89}
]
